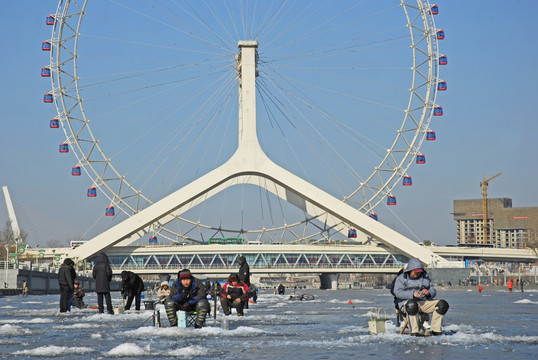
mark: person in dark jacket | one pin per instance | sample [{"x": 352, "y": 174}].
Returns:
[
  {"x": 132, "y": 287},
  {"x": 102, "y": 273},
  {"x": 187, "y": 294},
  {"x": 415, "y": 293},
  {"x": 66, "y": 280},
  {"x": 244, "y": 276},
  {"x": 234, "y": 294}
]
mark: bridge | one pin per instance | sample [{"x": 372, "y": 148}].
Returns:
[{"x": 220, "y": 260}]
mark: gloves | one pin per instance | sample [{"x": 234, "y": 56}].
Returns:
[{"x": 184, "y": 307}]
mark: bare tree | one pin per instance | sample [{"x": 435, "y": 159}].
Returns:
[{"x": 8, "y": 238}]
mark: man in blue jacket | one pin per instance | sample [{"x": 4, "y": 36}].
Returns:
[
  {"x": 415, "y": 294},
  {"x": 187, "y": 294}
]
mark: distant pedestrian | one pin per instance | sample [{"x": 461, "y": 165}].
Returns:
[
  {"x": 510, "y": 285},
  {"x": 215, "y": 289},
  {"x": 521, "y": 284},
  {"x": 102, "y": 273},
  {"x": 281, "y": 289},
  {"x": 480, "y": 288},
  {"x": 25, "y": 288},
  {"x": 66, "y": 280}
]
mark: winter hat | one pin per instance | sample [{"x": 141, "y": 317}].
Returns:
[
  {"x": 233, "y": 277},
  {"x": 184, "y": 274},
  {"x": 165, "y": 283}
]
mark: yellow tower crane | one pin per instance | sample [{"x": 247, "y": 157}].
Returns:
[{"x": 484, "y": 185}]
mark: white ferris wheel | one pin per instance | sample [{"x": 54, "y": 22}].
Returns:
[{"x": 147, "y": 96}]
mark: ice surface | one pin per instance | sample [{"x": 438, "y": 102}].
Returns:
[{"x": 493, "y": 324}]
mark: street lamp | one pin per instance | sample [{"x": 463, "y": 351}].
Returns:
[
  {"x": 37, "y": 256},
  {"x": 6, "y": 266}
]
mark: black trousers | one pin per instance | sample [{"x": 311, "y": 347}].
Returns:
[
  {"x": 65, "y": 293},
  {"x": 137, "y": 297},
  {"x": 228, "y": 304},
  {"x": 108, "y": 303}
]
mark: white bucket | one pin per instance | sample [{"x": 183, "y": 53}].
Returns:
[{"x": 376, "y": 324}]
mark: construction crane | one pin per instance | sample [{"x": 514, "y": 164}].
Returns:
[{"x": 484, "y": 185}]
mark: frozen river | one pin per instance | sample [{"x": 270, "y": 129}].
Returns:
[{"x": 491, "y": 325}]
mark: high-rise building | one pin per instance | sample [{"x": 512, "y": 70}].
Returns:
[{"x": 506, "y": 226}]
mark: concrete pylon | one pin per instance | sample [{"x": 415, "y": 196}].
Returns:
[{"x": 329, "y": 281}]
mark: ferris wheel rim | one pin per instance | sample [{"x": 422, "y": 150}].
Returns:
[{"x": 381, "y": 189}]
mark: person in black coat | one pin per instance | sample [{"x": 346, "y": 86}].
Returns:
[
  {"x": 244, "y": 276},
  {"x": 66, "y": 280},
  {"x": 132, "y": 287},
  {"x": 102, "y": 273}
]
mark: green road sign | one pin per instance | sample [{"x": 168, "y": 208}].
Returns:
[{"x": 21, "y": 248}]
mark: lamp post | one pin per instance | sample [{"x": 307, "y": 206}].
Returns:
[
  {"x": 6, "y": 267},
  {"x": 37, "y": 256}
]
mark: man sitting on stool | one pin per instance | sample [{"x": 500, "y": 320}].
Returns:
[
  {"x": 234, "y": 294},
  {"x": 187, "y": 294},
  {"x": 415, "y": 292}
]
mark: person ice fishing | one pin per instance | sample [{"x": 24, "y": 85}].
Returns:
[
  {"x": 66, "y": 280},
  {"x": 78, "y": 295},
  {"x": 415, "y": 293},
  {"x": 234, "y": 294},
  {"x": 102, "y": 273},
  {"x": 164, "y": 292},
  {"x": 187, "y": 294},
  {"x": 244, "y": 276},
  {"x": 131, "y": 287}
]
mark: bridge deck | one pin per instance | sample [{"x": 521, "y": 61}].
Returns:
[{"x": 222, "y": 259}]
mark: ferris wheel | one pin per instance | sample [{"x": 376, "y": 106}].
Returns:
[{"x": 146, "y": 94}]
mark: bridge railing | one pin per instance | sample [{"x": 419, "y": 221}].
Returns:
[{"x": 175, "y": 267}]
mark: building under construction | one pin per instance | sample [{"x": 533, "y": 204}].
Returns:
[{"x": 505, "y": 226}]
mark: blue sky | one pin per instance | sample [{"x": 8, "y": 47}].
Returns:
[{"x": 488, "y": 127}]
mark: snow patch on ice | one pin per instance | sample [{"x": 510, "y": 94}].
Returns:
[{"x": 52, "y": 350}]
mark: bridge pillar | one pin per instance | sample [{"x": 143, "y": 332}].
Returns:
[
  {"x": 329, "y": 281},
  {"x": 164, "y": 277}
]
